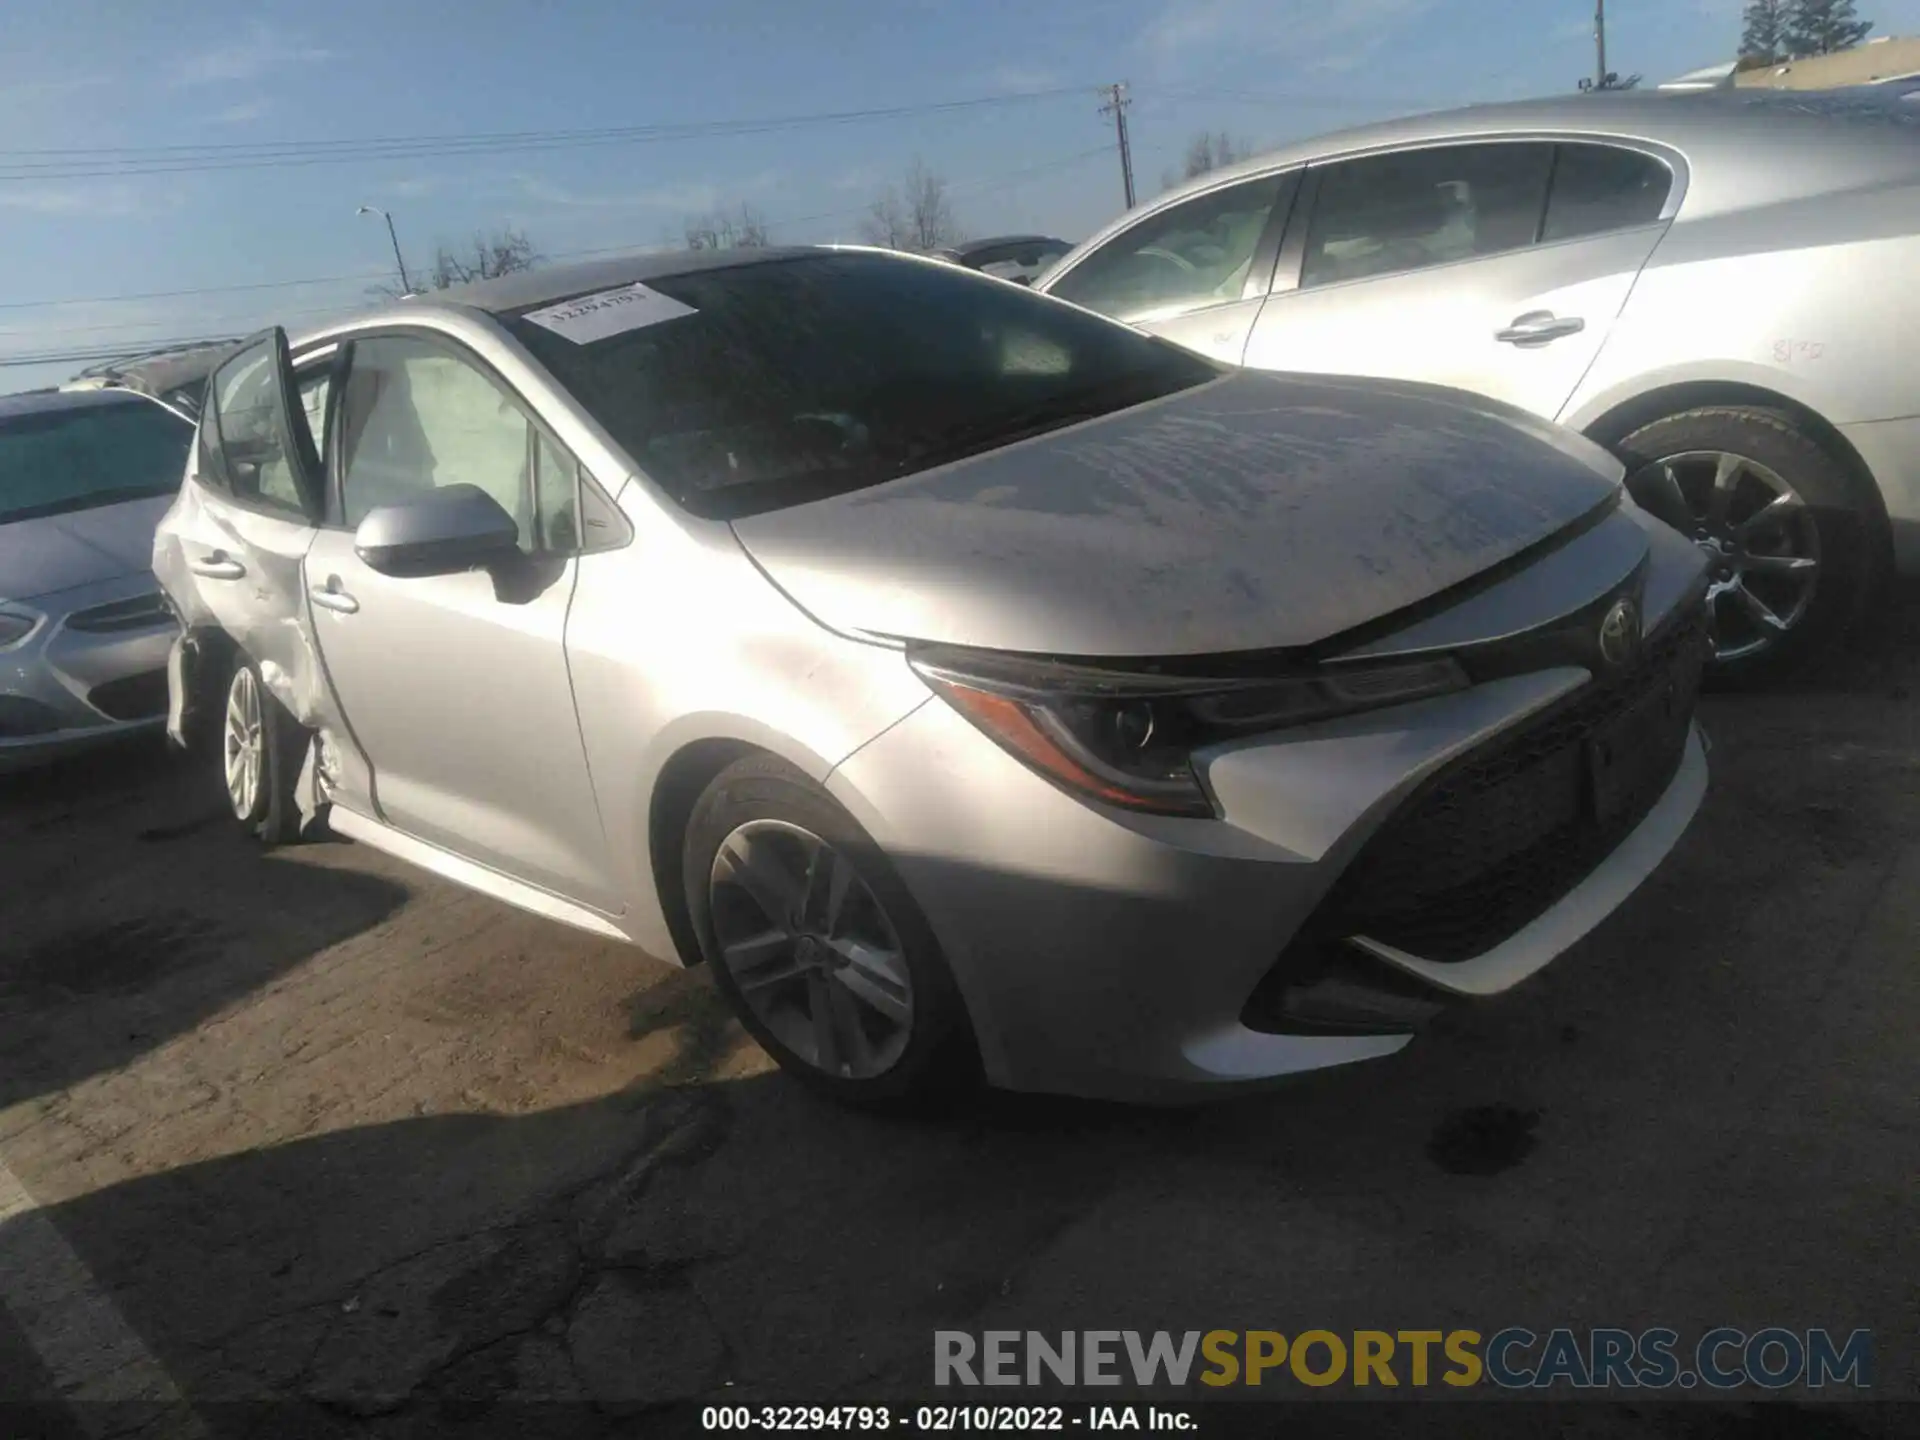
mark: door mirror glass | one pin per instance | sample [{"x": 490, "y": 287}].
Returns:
[{"x": 441, "y": 532}]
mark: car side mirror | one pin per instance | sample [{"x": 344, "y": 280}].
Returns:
[{"x": 443, "y": 532}]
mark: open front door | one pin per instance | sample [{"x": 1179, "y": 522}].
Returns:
[{"x": 250, "y": 510}]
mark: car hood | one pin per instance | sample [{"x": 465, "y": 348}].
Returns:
[
  {"x": 1253, "y": 512},
  {"x": 80, "y": 547}
]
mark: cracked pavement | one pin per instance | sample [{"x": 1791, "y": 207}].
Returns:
[{"x": 351, "y": 1151}]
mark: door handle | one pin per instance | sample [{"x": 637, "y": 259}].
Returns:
[
  {"x": 218, "y": 566},
  {"x": 1539, "y": 327},
  {"x": 331, "y": 597}
]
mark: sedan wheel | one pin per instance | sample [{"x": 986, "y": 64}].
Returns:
[
  {"x": 243, "y": 749},
  {"x": 811, "y": 949},
  {"x": 1757, "y": 533}
]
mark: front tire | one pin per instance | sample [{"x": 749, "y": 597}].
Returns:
[
  {"x": 1790, "y": 539},
  {"x": 818, "y": 947},
  {"x": 261, "y": 751}
]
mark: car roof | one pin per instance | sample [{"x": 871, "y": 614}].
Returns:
[
  {"x": 1698, "y": 124},
  {"x": 995, "y": 242},
  {"x": 42, "y": 402},
  {"x": 547, "y": 284}
]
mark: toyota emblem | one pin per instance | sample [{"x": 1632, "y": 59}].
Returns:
[{"x": 1620, "y": 634}]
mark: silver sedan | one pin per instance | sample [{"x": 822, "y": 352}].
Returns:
[
  {"x": 977, "y": 685},
  {"x": 84, "y": 630},
  {"x": 1721, "y": 287}
]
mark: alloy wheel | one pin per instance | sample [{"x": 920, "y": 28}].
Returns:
[
  {"x": 1758, "y": 535},
  {"x": 244, "y": 747},
  {"x": 810, "y": 949}
]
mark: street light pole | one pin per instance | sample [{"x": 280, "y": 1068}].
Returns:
[{"x": 406, "y": 287}]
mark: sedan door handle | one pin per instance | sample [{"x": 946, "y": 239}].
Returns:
[
  {"x": 327, "y": 597},
  {"x": 1539, "y": 327},
  {"x": 218, "y": 566}
]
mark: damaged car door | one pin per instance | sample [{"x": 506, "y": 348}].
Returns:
[
  {"x": 439, "y": 586},
  {"x": 229, "y": 553}
]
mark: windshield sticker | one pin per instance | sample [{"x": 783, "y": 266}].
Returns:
[{"x": 611, "y": 312}]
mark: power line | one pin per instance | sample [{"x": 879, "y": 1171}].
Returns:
[
  {"x": 72, "y": 164},
  {"x": 93, "y": 353},
  {"x": 373, "y": 277}
]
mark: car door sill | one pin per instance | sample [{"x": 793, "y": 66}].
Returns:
[{"x": 470, "y": 873}]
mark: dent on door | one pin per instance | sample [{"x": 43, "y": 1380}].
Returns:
[{"x": 240, "y": 572}]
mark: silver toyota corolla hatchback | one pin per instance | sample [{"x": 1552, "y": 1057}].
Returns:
[{"x": 976, "y": 684}]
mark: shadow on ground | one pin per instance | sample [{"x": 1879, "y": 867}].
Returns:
[
  {"x": 133, "y": 909},
  {"x": 1700, "y": 1116}
]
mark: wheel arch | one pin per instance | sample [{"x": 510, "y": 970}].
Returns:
[
  {"x": 1624, "y": 417},
  {"x": 676, "y": 790}
]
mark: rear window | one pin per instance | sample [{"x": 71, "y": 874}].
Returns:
[
  {"x": 77, "y": 457},
  {"x": 794, "y": 380}
]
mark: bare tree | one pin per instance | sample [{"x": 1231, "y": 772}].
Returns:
[
  {"x": 485, "y": 257},
  {"x": 913, "y": 216},
  {"x": 1206, "y": 152},
  {"x": 741, "y": 228}
]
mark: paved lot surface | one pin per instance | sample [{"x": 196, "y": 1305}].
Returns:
[{"x": 311, "y": 1126}]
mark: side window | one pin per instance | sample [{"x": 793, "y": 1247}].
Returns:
[
  {"x": 557, "y": 496},
  {"x": 418, "y": 417},
  {"x": 249, "y": 461},
  {"x": 1405, "y": 211},
  {"x": 1196, "y": 253},
  {"x": 1597, "y": 188}
]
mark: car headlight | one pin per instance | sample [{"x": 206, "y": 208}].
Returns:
[
  {"x": 15, "y": 627},
  {"x": 1128, "y": 738}
]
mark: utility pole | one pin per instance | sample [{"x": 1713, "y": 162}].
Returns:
[
  {"x": 1599, "y": 44},
  {"x": 1116, "y": 106}
]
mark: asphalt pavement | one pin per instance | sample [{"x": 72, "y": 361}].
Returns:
[{"x": 310, "y": 1143}]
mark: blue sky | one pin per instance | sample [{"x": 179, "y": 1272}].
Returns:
[{"x": 89, "y": 75}]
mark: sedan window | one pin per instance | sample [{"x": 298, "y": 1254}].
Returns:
[
  {"x": 1411, "y": 209},
  {"x": 1191, "y": 254},
  {"x": 1597, "y": 188},
  {"x": 784, "y": 381}
]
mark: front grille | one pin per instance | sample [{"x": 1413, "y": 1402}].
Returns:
[
  {"x": 1497, "y": 837},
  {"x": 143, "y": 612},
  {"x": 132, "y": 697}
]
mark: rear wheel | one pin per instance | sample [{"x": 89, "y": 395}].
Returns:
[
  {"x": 1790, "y": 541},
  {"x": 262, "y": 748},
  {"x": 816, "y": 944}
]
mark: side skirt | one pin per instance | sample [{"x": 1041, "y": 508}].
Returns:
[{"x": 460, "y": 871}]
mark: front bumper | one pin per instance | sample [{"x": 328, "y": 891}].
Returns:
[
  {"x": 92, "y": 672},
  {"x": 1109, "y": 954}
]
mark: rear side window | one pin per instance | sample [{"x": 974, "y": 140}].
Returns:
[
  {"x": 1386, "y": 214},
  {"x": 1597, "y": 188},
  {"x": 74, "y": 457}
]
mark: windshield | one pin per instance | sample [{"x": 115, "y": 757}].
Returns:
[
  {"x": 797, "y": 379},
  {"x": 76, "y": 457}
]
